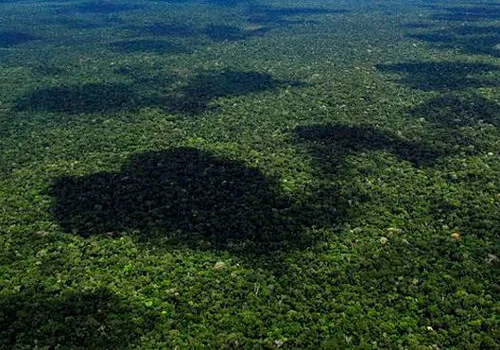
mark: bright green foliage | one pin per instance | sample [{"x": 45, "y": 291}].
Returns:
[{"x": 245, "y": 174}]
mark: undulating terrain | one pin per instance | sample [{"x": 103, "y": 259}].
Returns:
[{"x": 249, "y": 174}]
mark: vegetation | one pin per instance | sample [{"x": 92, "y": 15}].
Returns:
[{"x": 240, "y": 174}]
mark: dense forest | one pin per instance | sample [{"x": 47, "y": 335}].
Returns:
[{"x": 249, "y": 174}]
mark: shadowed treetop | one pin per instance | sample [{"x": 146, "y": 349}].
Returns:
[
  {"x": 101, "y": 7},
  {"x": 193, "y": 97},
  {"x": 332, "y": 143},
  {"x": 267, "y": 15},
  {"x": 35, "y": 318},
  {"x": 470, "y": 39},
  {"x": 149, "y": 46},
  {"x": 444, "y": 75},
  {"x": 183, "y": 195},
  {"x": 470, "y": 13},
  {"x": 453, "y": 111},
  {"x": 11, "y": 38}
]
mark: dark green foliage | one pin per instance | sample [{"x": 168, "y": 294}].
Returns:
[
  {"x": 455, "y": 111},
  {"x": 195, "y": 96},
  {"x": 191, "y": 98},
  {"x": 474, "y": 40},
  {"x": 332, "y": 143},
  {"x": 278, "y": 12},
  {"x": 249, "y": 175},
  {"x": 227, "y": 33},
  {"x": 8, "y": 39},
  {"x": 471, "y": 13},
  {"x": 156, "y": 46},
  {"x": 430, "y": 76},
  {"x": 225, "y": 2},
  {"x": 76, "y": 320},
  {"x": 103, "y": 6},
  {"x": 164, "y": 29},
  {"x": 284, "y": 16},
  {"x": 87, "y": 98},
  {"x": 185, "y": 191}
]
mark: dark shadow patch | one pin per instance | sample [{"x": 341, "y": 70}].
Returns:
[
  {"x": 467, "y": 14},
  {"x": 195, "y": 97},
  {"x": 265, "y": 15},
  {"x": 84, "y": 320},
  {"x": 104, "y": 7},
  {"x": 443, "y": 75},
  {"x": 163, "y": 29},
  {"x": 69, "y": 20},
  {"x": 181, "y": 197},
  {"x": 452, "y": 111},
  {"x": 262, "y": 18},
  {"x": 415, "y": 25},
  {"x": 9, "y": 39},
  {"x": 331, "y": 144},
  {"x": 444, "y": 37},
  {"x": 458, "y": 124},
  {"x": 470, "y": 39},
  {"x": 151, "y": 46},
  {"x": 270, "y": 20},
  {"x": 228, "y": 33},
  {"x": 86, "y": 98},
  {"x": 87, "y": 25},
  {"x": 452, "y": 118},
  {"x": 477, "y": 30},
  {"x": 226, "y": 2},
  {"x": 46, "y": 69},
  {"x": 218, "y": 33},
  {"x": 145, "y": 78},
  {"x": 297, "y": 11}
]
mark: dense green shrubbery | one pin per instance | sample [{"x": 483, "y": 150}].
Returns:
[{"x": 231, "y": 174}]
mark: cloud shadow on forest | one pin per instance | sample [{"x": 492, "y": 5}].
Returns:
[
  {"x": 263, "y": 18},
  {"x": 449, "y": 116},
  {"x": 452, "y": 111},
  {"x": 280, "y": 16},
  {"x": 166, "y": 29},
  {"x": 197, "y": 95},
  {"x": 331, "y": 146},
  {"x": 332, "y": 143},
  {"x": 74, "y": 22},
  {"x": 474, "y": 40},
  {"x": 99, "y": 7},
  {"x": 430, "y": 76},
  {"x": 230, "y": 33},
  {"x": 148, "y": 45},
  {"x": 181, "y": 197},
  {"x": 192, "y": 198},
  {"x": 216, "y": 33},
  {"x": 226, "y": 2},
  {"x": 85, "y": 98},
  {"x": 469, "y": 13},
  {"x": 38, "y": 319},
  {"x": 10, "y": 38}
]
